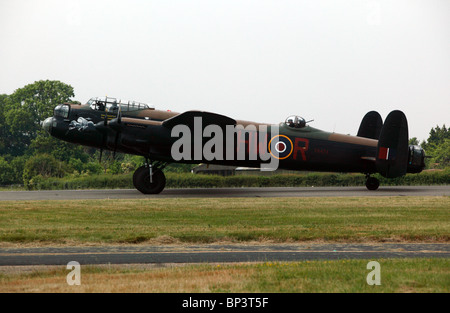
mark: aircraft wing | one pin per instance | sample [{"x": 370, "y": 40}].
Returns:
[{"x": 207, "y": 118}]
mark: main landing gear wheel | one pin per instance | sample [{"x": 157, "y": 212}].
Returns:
[
  {"x": 142, "y": 182},
  {"x": 372, "y": 183}
]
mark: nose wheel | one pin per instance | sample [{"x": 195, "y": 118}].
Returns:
[
  {"x": 150, "y": 178},
  {"x": 372, "y": 183}
]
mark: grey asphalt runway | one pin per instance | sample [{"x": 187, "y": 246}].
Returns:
[
  {"x": 216, "y": 253},
  {"x": 228, "y": 192}
]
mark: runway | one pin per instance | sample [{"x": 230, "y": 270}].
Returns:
[
  {"x": 228, "y": 193},
  {"x": 216, "y": 253}
]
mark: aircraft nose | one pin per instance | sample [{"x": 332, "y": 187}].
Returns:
[{"x": 47, "y": 124}]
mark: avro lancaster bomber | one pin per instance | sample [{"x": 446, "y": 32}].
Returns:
[{"x": 165, "y": 137}]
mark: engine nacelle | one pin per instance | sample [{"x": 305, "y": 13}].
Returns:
[{"x": 416, "y": 159}]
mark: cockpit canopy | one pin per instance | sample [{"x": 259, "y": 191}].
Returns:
[
  {"x": 62, "y": 110},
  {"x": 295, "y": 121},
  {"x": 112, "y": 105}
]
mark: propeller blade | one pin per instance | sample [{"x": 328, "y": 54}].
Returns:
[
  {"x": 105, "y": 121},
  {"x": 115, "y": 145},
  {"x": 116, "y": 122},
  {"x": 119, "y": 113}
]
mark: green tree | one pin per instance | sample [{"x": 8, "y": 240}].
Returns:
[
  {"x": 441, "y": 155},
  {"x": 20, "y": 130},
  {"x": 18, "y": 164},
  {"x": 6, "y": 172},
  {"x": 22, "y": 112},
  {"x": 413, "y": 141},
  {"x": 43, "y": 165},
  {"x": 3, "y": 127},
  {"x": 438, "y": 135},
  {"x": 41, "y": 97},
  {"x": 61, "y": 150},
  {"x": 93, "y": 168},
  {"x": 437, "y": 147}
]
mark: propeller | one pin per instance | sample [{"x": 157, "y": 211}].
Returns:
[
  {"x": 101, "y": 127},
  {"x": 115, "y": 124}
]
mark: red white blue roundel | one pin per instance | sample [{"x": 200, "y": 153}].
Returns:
[{"x": 280, "y": 147}]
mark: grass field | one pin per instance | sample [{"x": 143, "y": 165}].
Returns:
[
  {"x": 397, "y": 275},
  {"x": 166, "y": 221},
  {"x": 367, "y": 219}
]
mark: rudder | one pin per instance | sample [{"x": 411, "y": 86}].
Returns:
[
  {"x": 371, "y": 125},
  {"x": 392, "y": 150}
]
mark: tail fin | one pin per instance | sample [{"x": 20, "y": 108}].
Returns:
[
  {"x": 371, "y": 125},
  {"x": 392, "y": 150}
]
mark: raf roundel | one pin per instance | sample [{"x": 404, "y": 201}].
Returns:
[{"x": 280, "y": 147}]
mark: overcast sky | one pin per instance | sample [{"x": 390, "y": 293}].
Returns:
[{"x": 260, "y": 60}]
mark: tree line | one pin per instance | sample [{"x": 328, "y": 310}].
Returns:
[{"x": 27, "y": 151}]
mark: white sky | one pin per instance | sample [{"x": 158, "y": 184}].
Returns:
[{"x": 259, "y": 60}]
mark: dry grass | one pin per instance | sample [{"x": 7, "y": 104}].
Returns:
[
  {"x": 134, "y": 278},
  {"x": 397, "y": 275}
]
